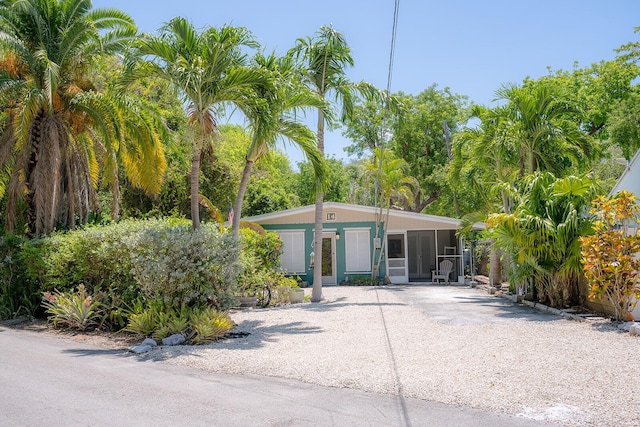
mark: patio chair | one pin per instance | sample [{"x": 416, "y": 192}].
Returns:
[{"x": 443, "y": 272}]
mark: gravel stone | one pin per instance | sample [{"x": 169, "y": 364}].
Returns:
[
  {"x": 562, "y": 371},
  {"x": 150, "y": 342},
  {"x": 140, "y": 349}
]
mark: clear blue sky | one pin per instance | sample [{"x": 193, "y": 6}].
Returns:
[{"x": 472, "y": 47}]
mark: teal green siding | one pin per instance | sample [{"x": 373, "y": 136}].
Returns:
[{"x": 339, "y": 227}]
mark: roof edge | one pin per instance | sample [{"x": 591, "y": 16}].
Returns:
[{"x": 361, "y": 208}]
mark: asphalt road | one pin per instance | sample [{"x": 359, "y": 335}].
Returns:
[{"x": 53, "y": 381}]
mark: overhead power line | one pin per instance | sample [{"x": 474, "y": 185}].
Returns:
[{"x": 394, "y": 30}]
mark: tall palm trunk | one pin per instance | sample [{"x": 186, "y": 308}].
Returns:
[
  {"x": 495, "y": 270},
  {"x": 495, "y": 266},
  {"x": 35, "y": 140},
  {"x": 115, "y": 193},
  {"x": 316, "y": 293},
  {"x": 237, "y": 206},
  {"x": 195, "y": 190}
]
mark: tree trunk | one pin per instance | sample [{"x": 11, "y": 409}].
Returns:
[
  {"x": 195, "y": 189},
  {"x": 495, "y": 272},
  {"x": 316, "y": 293},
  {"x": 115, "y": 198},
  {"x": 35, "y": 139},
  {"x": 237, "y": 206},
  {"x": 456, "y": 203},
  {"x": 383, "y": 241}
]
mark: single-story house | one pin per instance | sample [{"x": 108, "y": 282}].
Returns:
[{"x": 415, "y": 243}]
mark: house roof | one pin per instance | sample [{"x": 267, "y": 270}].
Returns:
[
  {"x": 305, "y": 214},
  {"x": 630, "y": 178}
]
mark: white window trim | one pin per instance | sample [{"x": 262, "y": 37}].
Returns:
[{"x": 348, "y": 251}]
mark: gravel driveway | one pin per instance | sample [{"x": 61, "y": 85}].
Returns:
[{"x": 453, "y": 345}]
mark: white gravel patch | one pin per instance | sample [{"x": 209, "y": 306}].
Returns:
[{"x": 564, "y": 371}]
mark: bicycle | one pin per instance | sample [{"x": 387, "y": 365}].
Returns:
[{"x": 263, "y": 293}]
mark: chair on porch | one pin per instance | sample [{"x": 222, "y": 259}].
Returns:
[{"x": 443, "y": 272}]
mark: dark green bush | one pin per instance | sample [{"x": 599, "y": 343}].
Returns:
[
  {"x": 361, "y": 281},
  {"x": 133, "y": 262},
  {"x": 97, "y": 257},
  {"x": 19, "y": 291}
]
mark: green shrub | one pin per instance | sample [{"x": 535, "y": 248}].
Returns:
[
  {"x": 76, "y": 311},
  {"x": 182, "y": 266},
  {"x": 266, "y": 248},
  {"x": 361, "y": 281},
  {"x": 165, "y": 257},
  {"x": 19, "y": 292},
  {"x": 254, "y": 277},
  {"x": 120, "y": 260},
  {"x": 259, "y": 264},
  {"x": 97, "y": 256}
]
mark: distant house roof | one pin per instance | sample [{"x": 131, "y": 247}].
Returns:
[
  {"x": 630, "y": 178},
  {"x": 343, "y": 212}
]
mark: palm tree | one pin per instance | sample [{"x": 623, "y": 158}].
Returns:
[
  {"x": 208, "y": 69},
  {"x": 57, "y": 130},
  {"x": 393, "y": 182},
  {"x": 273, "y": 116},
  {"x": 482, "y": 159},
  {"x": 542, "y": 234},
  {"x": 326, "y": 58},
  {"x": 541, "y": 129}
]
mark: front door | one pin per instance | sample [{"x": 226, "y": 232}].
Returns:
[
  {"x": 329, "y": 258},
  {"x": 422, "y": 260}
]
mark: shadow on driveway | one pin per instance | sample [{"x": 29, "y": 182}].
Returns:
[{"x": 460, "y": 305}]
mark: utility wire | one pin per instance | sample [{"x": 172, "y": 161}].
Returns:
[
  {"x": 385, "y": 114},
  {"x": 394, "y": 30}
]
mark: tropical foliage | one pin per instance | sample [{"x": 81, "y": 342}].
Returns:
[
  {"x": 340, "y": 182},
  {"x": 75, "y": 311},
  {"x": 394, "y": 185},
  {"x": 324, "y": 61},
  {"x": 260, "y": 264},
  {"x": 610, "y": 255},
  {"x": 57, "y": 132},
  {"x": 542, "y": 236},
  {"x": 72, "y": 139},
  {"x": 199, "y": 325},
  {"x": 275, "y": 116},
  {"x": 19, "y": 292},
  {"x": 208, "y": 69},
  {"x": 423, "y": 132}
]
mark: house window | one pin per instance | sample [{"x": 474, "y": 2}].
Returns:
[
  {"x": 293, "y": 255},
  {"x": 357, "y": 243},
  {"x": 396, "y": 245}
]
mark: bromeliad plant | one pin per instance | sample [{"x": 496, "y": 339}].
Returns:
[
  {"x": 76, "y": 311},
  {"x": 199, "y": 325},
  {"x": 610, "y": 255}
]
